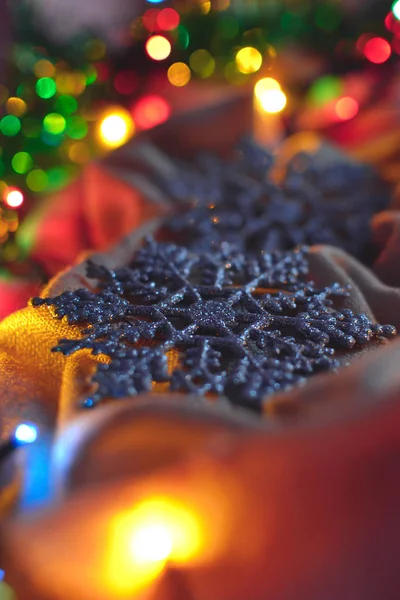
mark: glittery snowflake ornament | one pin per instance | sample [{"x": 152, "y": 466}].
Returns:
[
  {"x": 221, "y": 323},
  {"x": 320, "y": 200}
]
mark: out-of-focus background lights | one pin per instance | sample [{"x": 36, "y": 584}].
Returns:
[{"x": 270, "y": 96}]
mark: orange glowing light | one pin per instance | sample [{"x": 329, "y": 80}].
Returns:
[
  {"x": 179, "y": 74},
  {"x": 264, "y": 85},
  {"x": 168, "y": 19},
  {"x": 151, "y": 111},
  {"x": 346, "y": 108},
  {"x": 158, "y": 47},
  {"x": 377, "y": 50},
  {"x": 116, "y": 127},
  {"x": 16, "y": 106},
  {"x": 13, "y": 198},
  {"x": 142, "y": 540}
]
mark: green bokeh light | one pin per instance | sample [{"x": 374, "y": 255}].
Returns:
[
  {"x": 396, "y": 9},
  {"x": 37, "y": 180},
  {"x": 325, "y": 89},
  {"x": 54, "y": 123},
  {"x": 91, "y": 75},
  {"x": 182, "y": 40},
  {"x": 10, "y": 125},
  {"x": 46, "y": 87},
  {"x": 66, "y": 105},
  {"x": 77, "y": 128},
  {"x": 57, "y": 177},
  {"x": 21, "y": 162}
]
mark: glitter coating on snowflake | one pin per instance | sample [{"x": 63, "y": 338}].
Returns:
[
  {"x": 242, "y": 326},
  {"x": 317, "y": 202}
]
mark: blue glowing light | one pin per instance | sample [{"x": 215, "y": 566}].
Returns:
[
  {"x": 26, "y": 434},
  {"x": 2, "y": 573},
  {"x": 155, "y": 1}
]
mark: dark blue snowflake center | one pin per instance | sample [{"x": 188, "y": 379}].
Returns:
[{"x": 221, "y": 323}]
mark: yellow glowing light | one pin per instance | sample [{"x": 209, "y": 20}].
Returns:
[
  {"x": 248, "y": 60},
  {"x": 273, "y": 101},
  {"x": 16, "y": 106},
  {"x": 179, "y": 74},
  {"x": 151, "y": 543},
  {"x": 158, "y": 47},
  {"x": 141, "y": 542},
  {"x": 205, "y": 6},
  {"x": 116, "y": 127},
  {"x": 44, "y": 68},
  {"x": 265, "y": 85}
]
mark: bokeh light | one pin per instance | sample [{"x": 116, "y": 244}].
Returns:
[
  {"x": 72, "y": 84},
  {"x": 248, "y": 60},
  {"x": 396, "y": 9},
  {"x": 13, "y": 198},
  {"x": 346, "y": 108},
  {"x": 149, "y": 19},
  {"x": 158, "y": 47},
  {"x": 66, "y": 105},
  {"x": 58, "y": 177},
  {"x": 168, "y": 19},
  {"x": 54, "y": 123},
  {"x": 46, "y": 87},
  {"x": 77, "y": 128},
  {"x": 10, "y": 125},
  {"x": 150, "y": 111},
  {"x": 116, "y": 127},
  {"x": 26, "y": 434},
  {"x": 16, "y": 106},
  {"x": 179, "y": 74},
  {"x": 202, "y": 63},
  {"x": 44, "y": 68},
  {"x": 37, "y": 180},
  {"x": 270, "y": 96},
  {"x": 125, "y": 82},
  {"x": 377, "y": 50},
  {"x": 266, "y": 84},
  {"x": 22, "y": 162},
  {"x": 79, "y": 153},
  {"x": 325, "y": 89},
  {"x": 141, "y": 542}
]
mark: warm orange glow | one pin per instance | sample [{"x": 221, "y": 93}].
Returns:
[
  {"x": 179, "y": 74},
  {"x": 116, "y": 127},
  {"x": 158, "y": 47},
  {"x": 346, "y": 108},
  {"x": 16, "y": 106},
  {"x": 271, "y": 99},
  {"x": 248, "y": 60},
  {"x": 142, "y": 540},
  {"x": 13, "y": 198},
  {"x": 264, "y": 85}
]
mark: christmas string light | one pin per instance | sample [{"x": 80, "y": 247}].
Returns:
[
  {"x": 66, "y": 105},
  {"x": 24, "y": 434}
]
